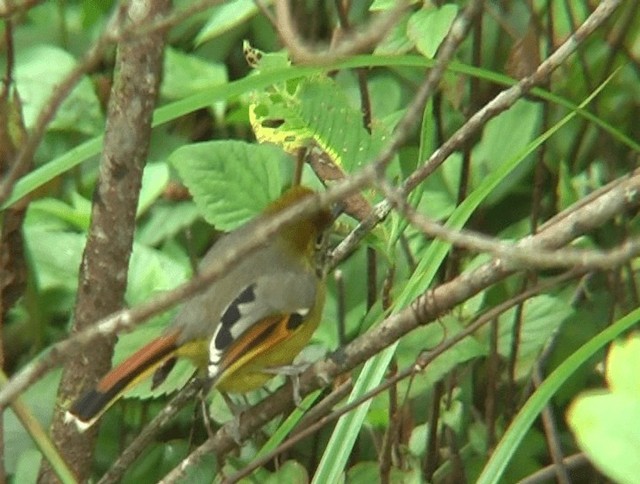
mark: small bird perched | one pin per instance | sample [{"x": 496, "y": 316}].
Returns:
[{"x": 255, "y": 318}]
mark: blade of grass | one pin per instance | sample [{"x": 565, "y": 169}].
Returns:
[
  {"x": 40, "y": 437},
  {"x": 288, "y": 425}
]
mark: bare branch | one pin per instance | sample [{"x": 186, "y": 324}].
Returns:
[
  {"x": 518, "y": 256},
  {"x": 355, "y": 43},
  {"x": 8, "y": 8}
]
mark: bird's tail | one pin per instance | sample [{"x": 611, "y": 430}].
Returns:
[{"x": 158, "y": 353}]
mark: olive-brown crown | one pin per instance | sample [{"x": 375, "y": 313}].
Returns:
[{"x": 301, "y": 234}]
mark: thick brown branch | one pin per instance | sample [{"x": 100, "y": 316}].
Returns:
[{"x": 105, "y": 262}]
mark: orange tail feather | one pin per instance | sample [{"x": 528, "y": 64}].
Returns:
[{"x": 88, "y": 408}]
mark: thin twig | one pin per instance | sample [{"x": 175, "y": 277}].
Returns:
[
  {"x": 357, "y": 42},
  {"x": 546, "y": 473},
  {"x": 520, "y": 255},
  {"x": 551, "y": 434}
]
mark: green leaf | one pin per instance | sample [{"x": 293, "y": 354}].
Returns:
[
  {"x": 600, "y": 420},
  {"x": 154, "y": 180},
  {"x": 382, "y": 5},
  {"x": 28, "y": 467},
  {"x": 317, "y": 111},
  {"x": 364, "y": 471},
  {"x": 231, "y": 181},
  {"x": 225, "y": 17},
  {"x": 439, "y": 192},
  {"x": 605, "y": 426},
  {"x": 429, "y": 27},
  {"x": 623, "y": 367},
  {"x": 397, "y": 41},
  {"x": 43, "y": 211},
  {"x": 38, "y": 72},
  {"x": 60, "y": 271},
  {"x": 40, "y": 399},
  {"x": 152, "y": 271},
  {"x": 290, "y": 471},
  {"x": 521, "y": 123},
  {"x": 384, "y": 91},
  {"x": 336, "y": 126},
  {"x": 541, "y": 317},
  {"x": 185, "y": 75},
  {"x": 429, "y": 337},
  {"x": 165, "y": 221}
]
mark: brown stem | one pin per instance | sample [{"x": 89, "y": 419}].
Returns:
[{"x": 105, "y": 262}]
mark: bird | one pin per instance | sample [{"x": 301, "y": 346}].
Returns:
[{"x": 253, "y": 319}]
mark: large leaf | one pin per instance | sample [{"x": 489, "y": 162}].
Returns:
[
  {"x": 231, "y": 181},
  {"x": 605, "y": 427},
  {"x": 38, "y": 72},
  {"x": 39, "y": 399},
  {"x": 61, "y": 271},
  {"x": 154, "y": 180},
  {"x": 165, "y": 221},
  {"x": 397, "y": 41},
  {"x": 504, "y": 137},
  {"x": 225, "y": 17},
  {"x": 428, "y": 27},
  {"x": 187, "y": 74},
  {"x": 600, "y": 420},
  {"x": 541, "y": 317},
  {"x": 317, "y": 111}
]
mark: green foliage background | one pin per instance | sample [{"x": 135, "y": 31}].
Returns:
[{"x": 568, "y": 138}]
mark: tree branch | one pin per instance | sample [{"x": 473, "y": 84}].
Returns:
[{"x": 105, "y": 262}]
